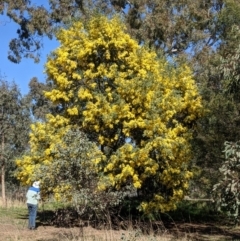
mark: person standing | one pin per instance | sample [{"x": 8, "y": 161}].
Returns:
[{"x": 33, "y": 196}]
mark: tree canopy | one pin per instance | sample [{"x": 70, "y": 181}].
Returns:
[{"x": 133, "y": 104}]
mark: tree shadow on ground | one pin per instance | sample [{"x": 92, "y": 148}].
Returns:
[{"x": 204, "y": 231}]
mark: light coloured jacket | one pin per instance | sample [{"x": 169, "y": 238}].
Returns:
[{"x": 33, "y": 195}]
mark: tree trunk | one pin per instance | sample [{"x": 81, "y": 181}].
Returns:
[{"x": 3, "y": 174}]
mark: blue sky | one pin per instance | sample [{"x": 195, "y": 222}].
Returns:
[{"x": 20, "y": 73}]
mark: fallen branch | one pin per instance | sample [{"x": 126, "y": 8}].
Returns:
[{"x": 187, "y": 198}]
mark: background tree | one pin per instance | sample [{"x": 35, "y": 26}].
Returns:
[
  {"x": 218, "y": 81},
  {"x": 171, "y": 26},
  {"x": 138, "y": 108},
  {"x": 14, "y": 128},
  {"x": 37, "y": 21},
  {"x": 39, "y": 104},
  {"x": 226, "y": 192}
]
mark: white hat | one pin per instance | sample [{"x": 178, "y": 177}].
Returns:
[{"x": 36, "y": 184}]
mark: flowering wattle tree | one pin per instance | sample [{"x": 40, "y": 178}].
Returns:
[{"x": 134, "y": 105}]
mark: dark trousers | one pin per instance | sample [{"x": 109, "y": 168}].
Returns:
[{"x": 32, "y": 212}]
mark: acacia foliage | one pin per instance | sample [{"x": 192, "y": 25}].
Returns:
[
  {"x": 71, "y": 159},
  {"x": 134, "y": 105}
]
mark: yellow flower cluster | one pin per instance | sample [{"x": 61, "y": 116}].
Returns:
[
  {"x": 72, "y": 111},
  {"x": 63, "y": 192},
  {"x": 43, "y": 139}
]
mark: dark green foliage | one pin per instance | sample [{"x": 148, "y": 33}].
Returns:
[
  {"x": 227, "y": 190},
  {"x": 219, "y": 124},
  {"x": 194, "y": 211},
  {"x": 14, "y": 120},
  {"x": 217, "y": 75}
]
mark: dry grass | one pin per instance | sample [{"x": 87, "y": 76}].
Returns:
[
  {"x": 13, "y": 227},
  {"x": 11, "y": 232},
  {"x": 12, "y": 203}
]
